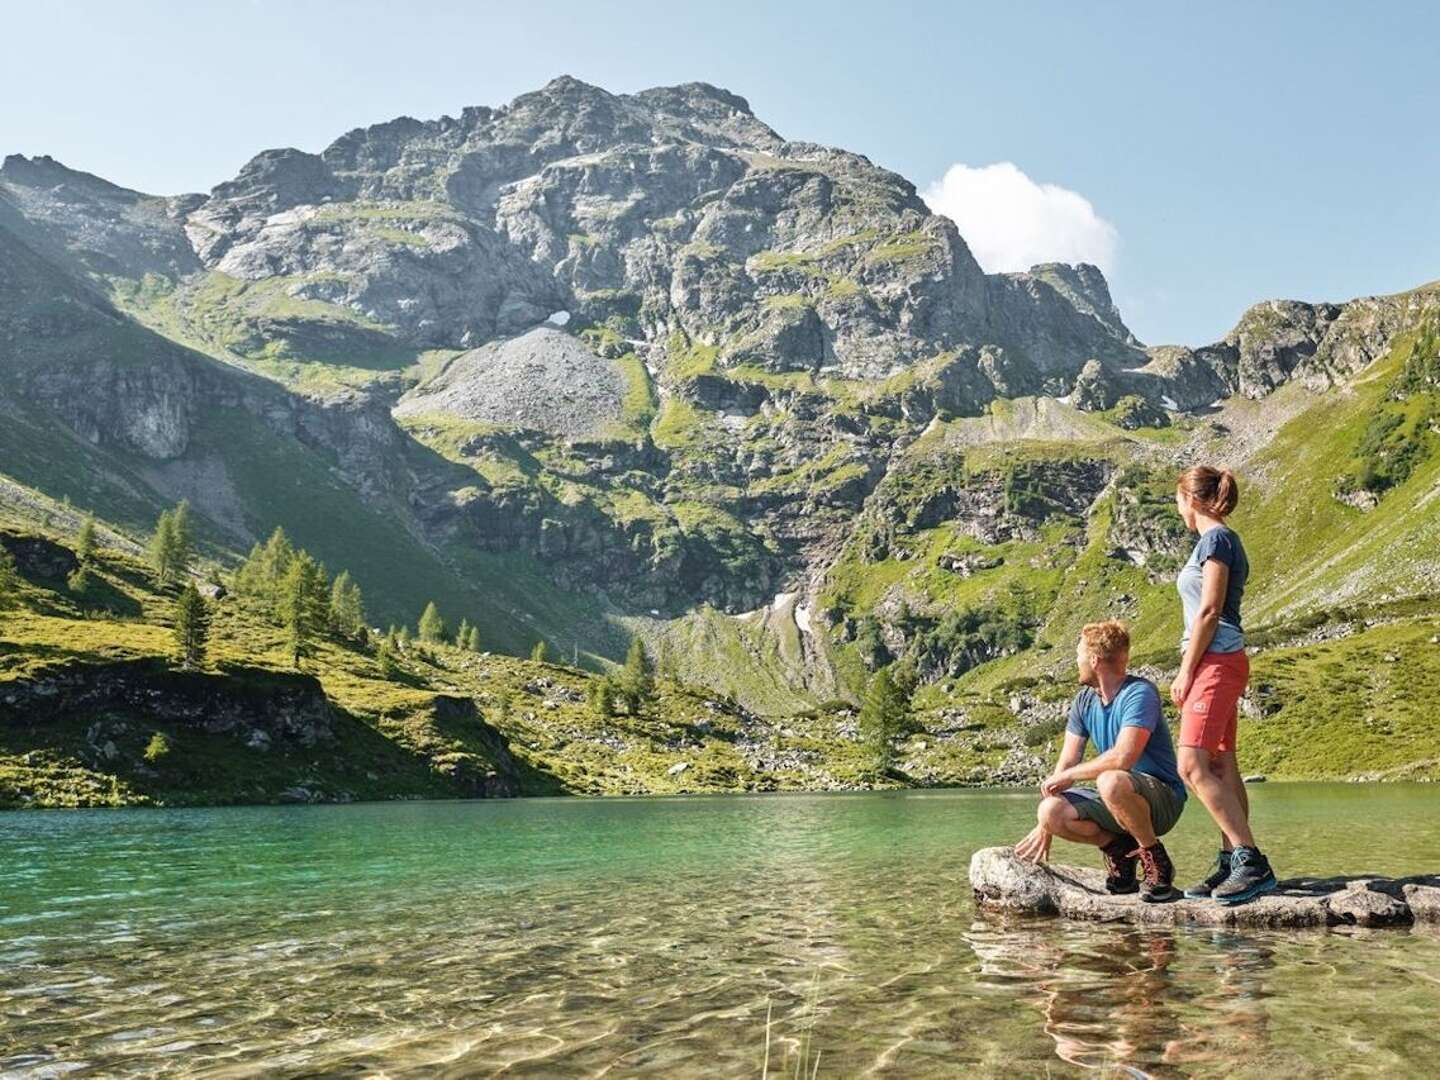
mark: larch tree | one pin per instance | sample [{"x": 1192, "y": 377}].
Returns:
[
  {"x": 172, "y": 547},
  {"x": 85, "y": 543},
  {"x": 347, "y": 607},
  {"x": 432, "y": 626},
  {"x": 304, "y": 605}
]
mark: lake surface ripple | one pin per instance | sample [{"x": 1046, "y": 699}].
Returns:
[{"x": 568, "y": 937}]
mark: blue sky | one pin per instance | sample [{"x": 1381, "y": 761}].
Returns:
[{"x": 1234, "y": 152}]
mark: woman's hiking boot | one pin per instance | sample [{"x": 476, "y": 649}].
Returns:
[
  {"x": 1250, "y": 876},
  {"x": 1120, "y": 865},
  {"x": 1218, "y": 873},
  {"x": 1159, "y": 884}
]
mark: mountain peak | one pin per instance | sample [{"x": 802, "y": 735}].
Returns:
[
  {"x": 43, "y": 171},
  {"x": 697, "y": 94}
]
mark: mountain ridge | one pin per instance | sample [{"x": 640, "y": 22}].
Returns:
[{"x": 803, "y": 403}]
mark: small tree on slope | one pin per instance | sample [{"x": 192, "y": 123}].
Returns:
[
  {"x": 192, "y": 627},
  {"x": 883, "y": 716}
]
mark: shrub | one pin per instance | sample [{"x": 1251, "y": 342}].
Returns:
[{"x": 157, "y": 747}]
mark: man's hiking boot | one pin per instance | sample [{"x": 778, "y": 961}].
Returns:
[
  {"x": 1250, "y": 876},
  {"x": 1120, "y": 865},
  {"x": 1218, "y": 873},
  {"x": 1159, "y": 884}
]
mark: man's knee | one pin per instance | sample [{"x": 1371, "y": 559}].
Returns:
[
  {"x": 1114, "y": 784},
  {"x": 1055, "y": 812}
]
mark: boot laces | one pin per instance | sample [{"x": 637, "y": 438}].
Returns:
[{"x": 1149, "y": 861}]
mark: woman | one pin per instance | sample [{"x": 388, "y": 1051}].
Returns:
[{"x": 1213, "y": 672}]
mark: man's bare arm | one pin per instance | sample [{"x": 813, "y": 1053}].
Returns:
[{"x": 1123, "y": 755}]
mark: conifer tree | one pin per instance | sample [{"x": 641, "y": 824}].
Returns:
[
  {"x": 462, "y": 634},
  {"x": 474, "y": 643},
  {"x": 541, "y": 652},
  {"x": 637, "y": 682},
  {"x": 162, "y": 548},
  {"x": 85, "y": 543},
  {"x": 304, "y": 604},
  {"x": 883, "y": 715},
  {"x": 182, "y": 541},
  {"x": 402, "y": 638},
  {"x": 78, "y": 580},
  {"x": 192, "y": 627},
  {"x": 248, "y": 580},
  {"x": 385, "y": 660},
  {"x": 347, "y": 607},
  {"x": 602, "y": 697},
  {"x": 432, "y": 626},
  {"x": 171, "y": 546},
  {"x": 275, "y": 559},
  {"x": 9, "y": 581}
]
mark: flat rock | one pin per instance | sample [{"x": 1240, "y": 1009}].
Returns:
[{"x": 1004, "y": 883}]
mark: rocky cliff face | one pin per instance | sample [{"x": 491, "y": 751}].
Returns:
[{"x": 642, "y": 340}]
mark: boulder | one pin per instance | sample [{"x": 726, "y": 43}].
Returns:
[
  {"x": 1004, "y": 883},
  {"x": 39, "y": 558}
]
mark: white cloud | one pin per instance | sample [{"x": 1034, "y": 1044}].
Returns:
[{"x": 1012, "y": 223}]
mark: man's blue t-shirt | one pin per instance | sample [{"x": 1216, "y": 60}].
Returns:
[{"x": 1135, "y": 704}]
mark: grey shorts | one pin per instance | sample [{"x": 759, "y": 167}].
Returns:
[{"x": 1165, "y": 804}]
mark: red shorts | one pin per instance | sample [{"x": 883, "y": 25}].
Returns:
[{"x": 1210, "y": 710}]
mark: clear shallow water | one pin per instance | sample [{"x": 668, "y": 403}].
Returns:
[{"x": 620, "y": 937}]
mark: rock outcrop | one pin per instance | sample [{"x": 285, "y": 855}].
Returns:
[
  {"x": 254, "y": 707},
  {"x": 1007, "y": 884},
  {"x": 643, "y": 341}
]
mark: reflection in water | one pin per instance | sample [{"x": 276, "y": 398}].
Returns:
[
  {"x": 583, "y": 938},
  {"x": 1114, "y": 998}
]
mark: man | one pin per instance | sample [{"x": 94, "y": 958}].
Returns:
[{"x": 1138, "y": 794}]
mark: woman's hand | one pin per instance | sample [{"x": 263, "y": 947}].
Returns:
[
  {"x": 1035, "y": 847},
  {"x": 1181, "y": 686},
  {"x": 1056, "y": 783}
]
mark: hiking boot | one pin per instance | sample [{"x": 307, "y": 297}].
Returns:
[
  {"x": 1250, "y": 876},
  {"x": 1120, "y": 865},
  {"x": 1159, "y": 884},
  {"x": 1218, "y": 873}
]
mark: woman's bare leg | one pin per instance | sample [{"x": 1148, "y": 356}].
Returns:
[
  {"x": 1229, "y": 808},
  {"x": 1227, "y": 766}
]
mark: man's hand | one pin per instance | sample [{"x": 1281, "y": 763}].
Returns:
[
  {"x": 1181, "y": 686},
  {"x": 1056, "y": 783},
  {"x": 1035, "y": 847}
]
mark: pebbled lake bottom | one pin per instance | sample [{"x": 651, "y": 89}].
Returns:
[{"x": 568, "y": 937}]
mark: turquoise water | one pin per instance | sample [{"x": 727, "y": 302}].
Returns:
[{"x": 649, "y": 936}]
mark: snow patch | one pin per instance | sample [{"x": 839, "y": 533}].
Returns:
[
  {"x": 802, "y": 618},
  {"x": 1169, "y": 403},
  {"x": 560, "y": 318}
]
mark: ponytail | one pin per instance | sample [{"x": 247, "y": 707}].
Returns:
[{"x": 1215, "y": 491}]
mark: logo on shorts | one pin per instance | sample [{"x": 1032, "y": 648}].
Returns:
[{"x": 1200, "y": 707}]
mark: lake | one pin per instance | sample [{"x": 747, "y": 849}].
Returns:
[{"x": 568, "y": 937}]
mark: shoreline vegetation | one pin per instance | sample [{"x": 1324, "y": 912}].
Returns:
[{"x": 163, "y": 680}]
